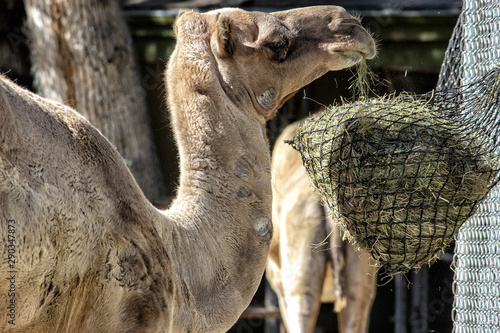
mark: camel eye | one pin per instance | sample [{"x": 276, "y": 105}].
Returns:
[{"x": 279, "y": 49}]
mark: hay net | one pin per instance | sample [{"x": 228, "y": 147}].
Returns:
[
  {"x": 401, "y": 174},
  {"x": 473, "y": 50}
]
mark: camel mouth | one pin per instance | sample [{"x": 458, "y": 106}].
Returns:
[
  {"x": 337, "y": 49},
  {"x": 351, "y": 57},
  {"x": 362, "y": 53}
]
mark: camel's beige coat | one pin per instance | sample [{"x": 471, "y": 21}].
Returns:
[
  {"x": 301, "y": 271},
  {"x": 91, "y": 253}
]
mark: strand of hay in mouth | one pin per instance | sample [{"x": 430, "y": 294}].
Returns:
[
  {"x": 399, "y": 177},
  {"x": 362, "y": 80}
]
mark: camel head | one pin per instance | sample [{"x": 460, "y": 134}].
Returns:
[{"x": 263, "y": 59}]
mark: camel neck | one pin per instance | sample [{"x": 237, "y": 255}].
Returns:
[
  {"x": 224, "y": 158},
  {"x": 222, "y": 212},
  {"x": 224, "y": 152}
]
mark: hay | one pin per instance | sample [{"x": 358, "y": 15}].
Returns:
[
  {"x": 399, "y": 177},
  {"x": 362, "y": 80}
]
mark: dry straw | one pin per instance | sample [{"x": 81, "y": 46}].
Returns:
[{"x": 400, "y": 174}]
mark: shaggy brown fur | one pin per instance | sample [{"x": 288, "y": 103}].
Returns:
[{"x": 91, "y": 253}]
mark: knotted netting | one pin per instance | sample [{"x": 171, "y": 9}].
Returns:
[{"x": 474, "y": 50}]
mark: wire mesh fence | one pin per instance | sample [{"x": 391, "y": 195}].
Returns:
[{"x": 473, "y": 50}]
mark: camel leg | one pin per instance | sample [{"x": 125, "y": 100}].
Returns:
[
  {"x": 302, "y": 269},
  {"x": 359, "y": 286}
]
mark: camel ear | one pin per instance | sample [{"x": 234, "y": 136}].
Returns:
[{"x": 225, "y": 37}]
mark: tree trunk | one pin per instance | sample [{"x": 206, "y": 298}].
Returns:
[{"x": 82, "y": 56}]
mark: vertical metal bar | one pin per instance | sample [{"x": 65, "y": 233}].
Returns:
[
  {"x": 400, "y": 304},
  {"x": 419, "y": 315},
  {"x": 272, "y": 325}
]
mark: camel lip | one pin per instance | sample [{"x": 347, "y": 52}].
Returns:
[
  {"x": 366, "y": 55},
  {"x": 346, "y": 52}
]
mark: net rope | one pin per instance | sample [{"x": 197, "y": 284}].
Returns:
[{"x": 474, "y": 50}]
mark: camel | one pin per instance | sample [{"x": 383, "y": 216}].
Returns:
[
  {"x": 308, "y": 262},
  {"x": 82, "y": 248}
]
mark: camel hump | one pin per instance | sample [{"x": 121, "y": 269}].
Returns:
[
  {"x": 59, "y": 141},
  {"x": 64, "y": 186},
  {"x": 7, "y": 109},
  {"x": 57, "y": 171}
]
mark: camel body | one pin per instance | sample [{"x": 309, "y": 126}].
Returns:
[
  {"x": 82, "y": 248},
  {"x": 309, "y": 263}
]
